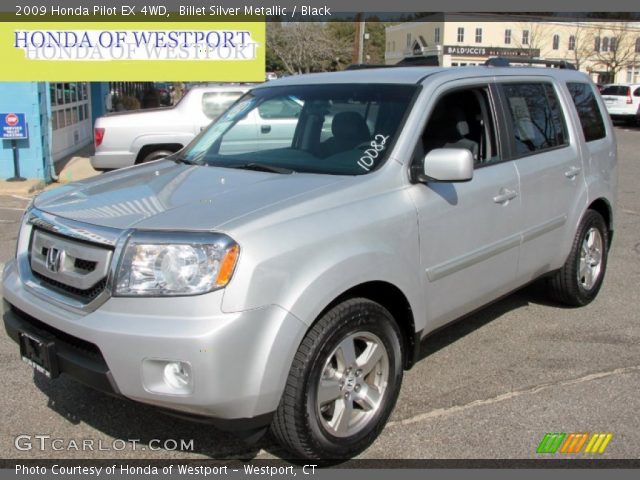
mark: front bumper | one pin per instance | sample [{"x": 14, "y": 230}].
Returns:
[{"x": 239, "y": 361}]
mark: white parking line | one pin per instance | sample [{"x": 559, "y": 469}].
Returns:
[
  {"x": 509, "y": 395},
  {"x": 12, "y": 208}
]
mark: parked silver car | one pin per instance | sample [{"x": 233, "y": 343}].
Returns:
[{"x": 291, "y": 284}]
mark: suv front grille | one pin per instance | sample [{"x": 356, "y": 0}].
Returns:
[
  {"x": 85, "y": 296},
  {"x": 71, "y": 267},
  {"x": 78, "y": 263}
]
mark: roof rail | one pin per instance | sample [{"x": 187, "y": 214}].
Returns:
[
  {"x": 405, "y": 62},
  {"x": 506, "y": 62},
  {"x": 364, "y": 66}
]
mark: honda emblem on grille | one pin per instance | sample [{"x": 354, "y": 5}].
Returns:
[{"x": 55, "y": 259}]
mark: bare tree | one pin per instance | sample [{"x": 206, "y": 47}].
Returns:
[
  {"x": 614, "y": 48},
  {"x": 304, "y": 47},
  {"x": 580, "y": 44},
  {"x": 534, "y": 38}
]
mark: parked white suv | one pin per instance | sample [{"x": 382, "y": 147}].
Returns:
[
  {"x": 291, "y": 285},
  {"x": 126, "y": 138},
  {"x": 622, "y": 100}
]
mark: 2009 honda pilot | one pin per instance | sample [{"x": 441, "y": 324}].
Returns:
[{"x": 291, "y": 286}]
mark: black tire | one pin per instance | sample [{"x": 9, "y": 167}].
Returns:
[
  {"x": 156, "y": 155},
  {"x": 299, "y": 423},
  {"x": 568, "y": 285}
]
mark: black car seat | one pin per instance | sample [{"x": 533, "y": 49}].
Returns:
[
  {"x": 449, "y": 128},
  {"x": 349, "y": 130}
]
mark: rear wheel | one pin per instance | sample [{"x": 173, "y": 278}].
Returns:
[
  {"x": 343, "y": 383},
  {"x": 156, "y": 155},
  {"x": 578, "y": 282}
]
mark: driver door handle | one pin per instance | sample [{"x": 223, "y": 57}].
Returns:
[
  {"x": 572, "y": 172},
  {"x": 504, "y": 196}
]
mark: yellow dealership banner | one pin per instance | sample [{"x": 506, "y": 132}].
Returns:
[{"x": 133, "y": 51}]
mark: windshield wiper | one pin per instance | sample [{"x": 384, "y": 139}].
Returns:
[
  {"x": 261, "y": 167},
  {"x": 181, "y": 159}
]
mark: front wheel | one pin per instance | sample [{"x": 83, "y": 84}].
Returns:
[
  {"x": 343, "y": 384},
  {"x": 578, "y": 282}
]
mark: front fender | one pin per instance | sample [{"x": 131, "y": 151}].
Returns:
[{"x": 309, "y": 268}]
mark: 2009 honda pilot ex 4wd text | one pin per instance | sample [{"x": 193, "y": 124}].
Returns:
[{"x": 291, "y": 285}]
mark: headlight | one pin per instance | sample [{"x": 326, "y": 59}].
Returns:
[
  {"x": 170, "y": 264},
  {"x": 23, "y": 224}
]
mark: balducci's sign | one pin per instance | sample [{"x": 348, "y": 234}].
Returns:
[{"x": 490, "y": 51}]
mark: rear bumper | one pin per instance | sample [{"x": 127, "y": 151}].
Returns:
[
  {"x": 623, "y": 116},
  {"x": 111, "y": 160}
]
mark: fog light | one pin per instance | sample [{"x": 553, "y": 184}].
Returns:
[
  {"x": 167, "y": 376},
  {"x": 178, "y": 375}
]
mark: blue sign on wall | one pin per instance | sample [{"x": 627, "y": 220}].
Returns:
[{"x": 13, "y": 126}]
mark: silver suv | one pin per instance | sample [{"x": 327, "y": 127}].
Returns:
[{"x": 291, "y": 286}]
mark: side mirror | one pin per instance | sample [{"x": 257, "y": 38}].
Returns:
[{"x": 448, "y": 165}]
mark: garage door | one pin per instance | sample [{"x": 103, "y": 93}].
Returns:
[{"x": 70, "y": 118}]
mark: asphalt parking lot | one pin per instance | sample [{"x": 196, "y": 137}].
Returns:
[{"x": 488, "y": 387}]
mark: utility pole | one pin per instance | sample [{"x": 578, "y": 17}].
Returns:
[
  {"x": 356, "y": 55},
  {"x": 361, "y": 41},
  {"x": 358, "y": 45}
]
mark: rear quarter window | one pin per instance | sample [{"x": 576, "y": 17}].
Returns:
[{"x": 588, "y": 111}]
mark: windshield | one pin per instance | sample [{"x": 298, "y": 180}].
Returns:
[{"x": 342, "y": 129}]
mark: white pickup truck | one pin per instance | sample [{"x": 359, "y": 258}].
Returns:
[{"x": 123, "y": 139}]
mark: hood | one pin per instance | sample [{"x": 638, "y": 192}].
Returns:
[{"x": 168, "y": 196}]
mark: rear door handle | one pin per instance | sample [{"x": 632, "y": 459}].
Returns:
[
  {"x": 505, "y": 195},
  {"x": 265, "y": 128},
  {"x": 572, "y": 172}
]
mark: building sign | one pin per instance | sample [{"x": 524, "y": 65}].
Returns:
[
  {"x": 490, "y": 51},
  {"x": 13, "y": 126}
]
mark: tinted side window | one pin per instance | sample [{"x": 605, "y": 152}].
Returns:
[
  {"x": 536, "y": 117},
  {"x": 461, "y": 119},
  {"x": 588, "y": 111},
  {"x": 557, "y": 116}
]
